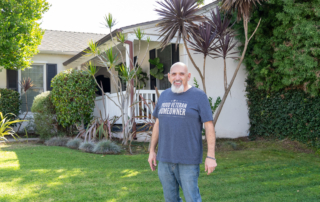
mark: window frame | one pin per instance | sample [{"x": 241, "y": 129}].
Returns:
[{"x": 44, "y": 82}]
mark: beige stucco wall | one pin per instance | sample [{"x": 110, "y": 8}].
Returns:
[
  {"x": 3, "y": 78},
  {"x": 40, "y": 59},
  {"x": 51, "y": 58}
]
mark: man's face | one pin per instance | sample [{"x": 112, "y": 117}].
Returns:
[{"x": 179, "y": 76}]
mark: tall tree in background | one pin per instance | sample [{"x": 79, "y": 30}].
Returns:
[
  {"x": 20, "y": 34},
  {"x": 211, "y": 37}
]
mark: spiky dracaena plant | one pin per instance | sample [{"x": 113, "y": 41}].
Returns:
[
  {"x": 179, "y": 18},
  {"x": 176, "y": 15},
  {"x": 26, "y": 84},
  {"x": 203, "y": 40},
  {"x": 243, "y": 9},
  {"x": 226, "y": 42}
]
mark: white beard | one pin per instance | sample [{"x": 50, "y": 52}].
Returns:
[{"x": 174, "y": 89}]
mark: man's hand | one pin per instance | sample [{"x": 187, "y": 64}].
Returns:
[
  {"x": 210, "y": 165},
  {"x": 152, "y": 160}
]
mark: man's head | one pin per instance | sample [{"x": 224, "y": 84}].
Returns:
[{"x": 179, "y": 77}]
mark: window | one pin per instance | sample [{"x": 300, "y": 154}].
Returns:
[
  {"x": 36, "y": 73},
  {"x": 168, "y": 56}
]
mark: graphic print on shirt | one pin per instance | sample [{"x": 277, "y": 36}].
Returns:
[{"x": 173, "y": 108}]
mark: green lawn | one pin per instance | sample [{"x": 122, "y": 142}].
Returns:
[{"x": 255, "y": 171}]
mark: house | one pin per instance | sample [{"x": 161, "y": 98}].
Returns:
[{"x": 57, "y": 55}]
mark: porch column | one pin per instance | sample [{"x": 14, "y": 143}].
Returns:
[{"x": 130, "y": 65}]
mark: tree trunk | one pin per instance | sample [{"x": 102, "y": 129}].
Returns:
[
  {"x": 245, "y": 25},
  {"x": 204, "y": 75},
  {"x": 225, "y": 75}
]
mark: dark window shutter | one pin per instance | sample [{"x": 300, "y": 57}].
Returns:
[
  {"x": 12, "y": 79},
  {"x": 153, "y": 80},
  {"x": 51, "y": 72},
  {"x": 175, "y": 53},
  {"x": 135, "y": 60}
]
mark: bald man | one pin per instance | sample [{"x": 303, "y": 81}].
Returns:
[{"x": 180, "y": 114}]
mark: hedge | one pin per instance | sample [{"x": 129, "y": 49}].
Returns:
[
  {"x": 73, "y": 96},
  {"x": 44, "y": 115},
  {"x": 10, "y": 102},
  {"x": 288, "y": 113}
]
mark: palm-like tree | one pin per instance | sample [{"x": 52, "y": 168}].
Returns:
[
  {"x": 243, "y": 9},
  {"x": 204, "y": 40},
  {"x": 178, "y": 17},
  {"x": 213, "y": 37}
]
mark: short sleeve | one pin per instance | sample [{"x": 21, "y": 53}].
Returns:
[
  {"x": 205, "y": 109},
  {"x": 155, "y": 111}
]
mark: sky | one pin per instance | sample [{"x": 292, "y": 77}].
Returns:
[{"x": 88, "y": 15}]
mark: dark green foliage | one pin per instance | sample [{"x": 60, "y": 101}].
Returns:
[
  {"x": 157, "y": 71},
  {"x": 44, "y": 115},
  {"x": 290, "y": 114},
  {"x": 57, "y": 141},
  {"x": 74, "y": 143},
  {"x": 285, "y": 50},
  {"x": 106, "y": 147},
  {"x": 9, "y": 102},
  {"x": 20, "y": 32},
  {"x": 73, "y": 96}
]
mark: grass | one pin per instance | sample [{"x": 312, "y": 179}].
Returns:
[{"x": 255, "y": 171}]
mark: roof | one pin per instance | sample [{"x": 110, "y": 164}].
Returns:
[
  {"x": 107, "y": 37},
  {"x": 64, "y": 41}
]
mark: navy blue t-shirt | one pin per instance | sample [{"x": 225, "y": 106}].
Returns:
[{"x": 180, "y": 125}]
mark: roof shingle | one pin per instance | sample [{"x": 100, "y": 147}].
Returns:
[{"x": 64, "y": 41}]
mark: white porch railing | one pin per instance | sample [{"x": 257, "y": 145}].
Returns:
[{"x": 142, "y": 112}]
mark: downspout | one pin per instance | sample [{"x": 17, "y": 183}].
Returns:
[{"x": 130, "y": 43}]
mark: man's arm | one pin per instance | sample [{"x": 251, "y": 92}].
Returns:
[
  {"x": 154, "y": 141},
  {"x": 210, "y": 164}
]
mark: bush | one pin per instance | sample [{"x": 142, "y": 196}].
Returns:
[
  {"x": 74, "y": 143},
  {"x": 10, "y": 102},
  {"x": 290, "y": 114},
  {"x": 73, "y": 96},
  {"x": 106, "y": 147},
  {"x": 285, "y": 50},
  {"x": 86, "y": 146},
  {"x": 57, "y": 141},
  {"x": 44, "y": 115}
]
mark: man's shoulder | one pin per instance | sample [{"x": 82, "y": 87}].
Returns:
[
  {"x": 198, "y": 92},
  {"x": 165, "y": 92}
]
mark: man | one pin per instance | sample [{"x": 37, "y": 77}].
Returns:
[{"x": 180, "y": 113}]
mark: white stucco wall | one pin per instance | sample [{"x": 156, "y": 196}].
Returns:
[{"x": 233, "y": 121}]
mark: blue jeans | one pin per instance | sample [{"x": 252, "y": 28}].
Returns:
[{"x": 172, "y": 175}]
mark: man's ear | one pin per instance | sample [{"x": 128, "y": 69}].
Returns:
[
  {"x": 189, "y": 76},
  {"x": 169, "y": 78}
]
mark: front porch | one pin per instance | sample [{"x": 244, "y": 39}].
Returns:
[{"x": 107, "y": 106}]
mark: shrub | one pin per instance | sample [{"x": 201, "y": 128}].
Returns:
[
  {"x": 57, "y": 141},
  {"x": 106, "y": 147},
  {"x": 10, "y": 102},
  {"x": 73, "y": 96},
  {"x": 86, "y": 146},
  {"x": 44, "y": 115},
  {"x": 74, "y": 143},
  {"x": 5, "y": 126},
  {"x": 285, "y": 49},
  {"x": 290, "y": 114}
]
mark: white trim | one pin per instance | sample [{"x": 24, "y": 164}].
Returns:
[{"x": 44, "y": 79}]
